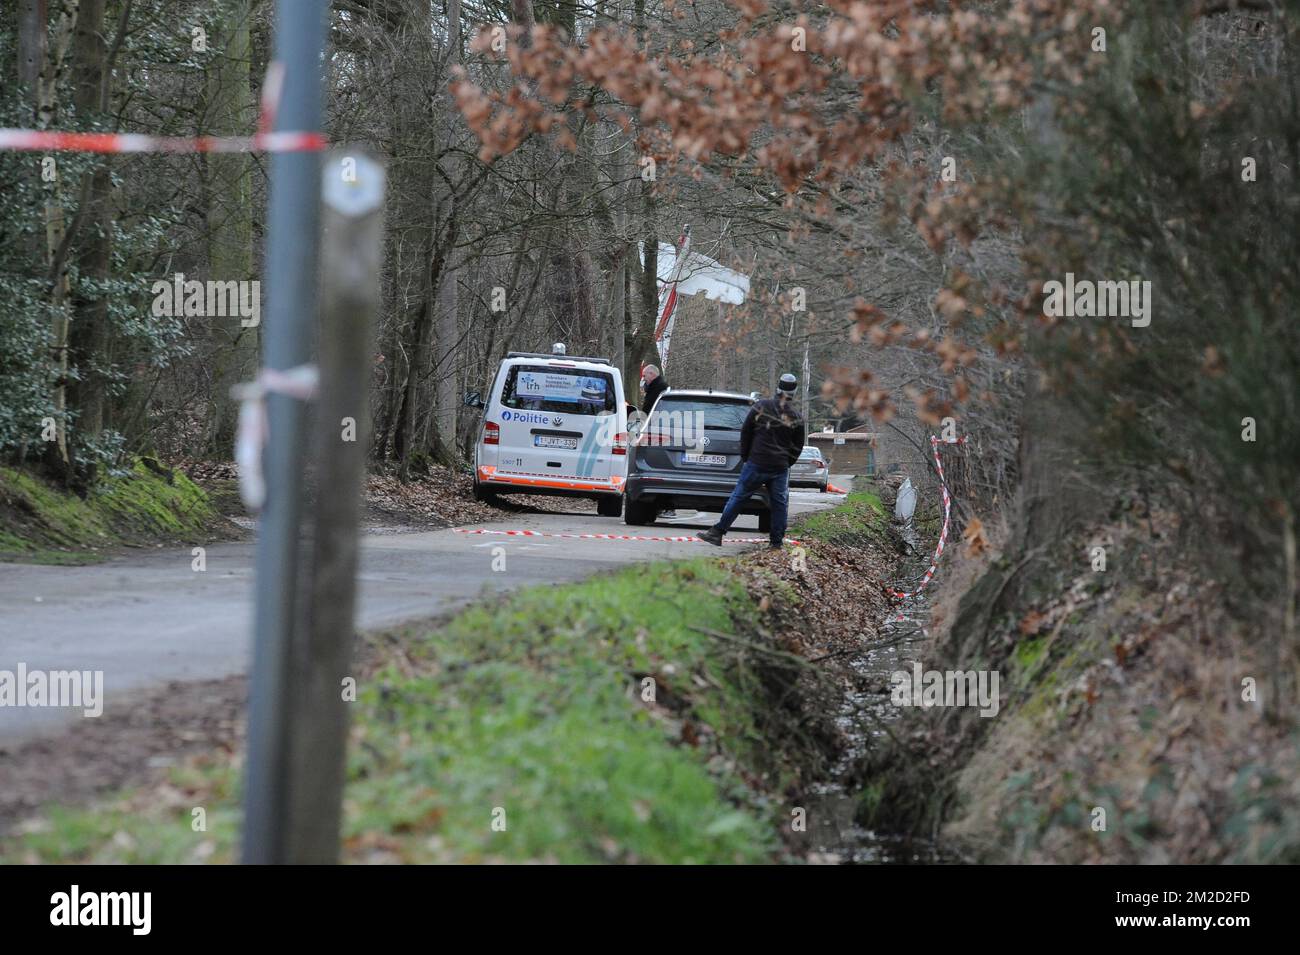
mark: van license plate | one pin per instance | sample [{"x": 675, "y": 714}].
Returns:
[
  {"x": 716, "y": 460},
  {"x": 551, "y": 441}
]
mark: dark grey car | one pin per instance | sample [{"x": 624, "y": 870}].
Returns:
[
  {"x": 810, "y": 470},
  {"x": 688, "y": 456}
]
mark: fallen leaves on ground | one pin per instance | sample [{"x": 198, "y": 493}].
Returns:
[{"x": 441, "y": 497}]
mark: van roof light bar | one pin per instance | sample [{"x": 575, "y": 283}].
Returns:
[{"x": 536, "y": 354}]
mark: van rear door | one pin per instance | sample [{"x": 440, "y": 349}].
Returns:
[{"x": 557, "y": 421}]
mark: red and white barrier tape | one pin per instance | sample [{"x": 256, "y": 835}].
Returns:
[
  {"x": 252, "y": 430},
  {"x": 617, "y": 537},
  {"x": 43, "y": 140},
  {"x": 37, "y": 140},
  {"x": 935, "y": 441}
]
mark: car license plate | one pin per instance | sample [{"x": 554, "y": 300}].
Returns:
[
  {"x": 551, "y": 441},
  {"x": 716, "y": 460}
]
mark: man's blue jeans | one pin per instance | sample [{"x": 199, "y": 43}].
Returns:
[{"x": 778, "y": 495}]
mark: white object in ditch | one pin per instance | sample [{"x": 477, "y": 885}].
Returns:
[{"x": 905, "y": 506}]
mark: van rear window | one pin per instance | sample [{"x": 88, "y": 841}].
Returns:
[{"x": 542, "y": 388}]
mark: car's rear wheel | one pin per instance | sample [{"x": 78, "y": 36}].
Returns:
[
  {"x": 609, "y": 505},
  {"x": 483, "y": 494},
  {"x": 765, "y": 522},
  {"x": 638, "y": 513},
  {"x": 823, "y": 488}
]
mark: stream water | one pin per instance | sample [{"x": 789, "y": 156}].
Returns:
[{"x": 864, "y": 711}]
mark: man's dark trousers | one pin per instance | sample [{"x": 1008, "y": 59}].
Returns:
[{"x": 778, "y": 496}]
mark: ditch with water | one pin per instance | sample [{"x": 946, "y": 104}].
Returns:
[{"x": 865, "y": 717}]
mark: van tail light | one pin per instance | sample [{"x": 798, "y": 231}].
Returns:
[
  {"x": 491, "y": 433},
  {"x": 620, "y": 443}
]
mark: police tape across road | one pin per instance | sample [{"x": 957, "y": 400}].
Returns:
[
  {"x": 266, "y": 139},
  {"x": 617, "y": 537},
  {"x": 40, "y": 140}
]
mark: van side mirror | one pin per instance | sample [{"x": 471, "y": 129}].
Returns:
[{"x": 473, "y": 399}]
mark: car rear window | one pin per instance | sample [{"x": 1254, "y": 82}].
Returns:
[
  {"x": 717, "y": 414},
  {"x": 810, "y": 453},
  {"x": 545, "y": 388}
]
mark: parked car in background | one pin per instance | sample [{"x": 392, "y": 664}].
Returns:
[
  {"x": 688, "y": 456},
  {"x": 810, "y": 470}
]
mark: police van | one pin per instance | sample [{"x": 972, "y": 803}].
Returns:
[{"x": 553, "y": 424}]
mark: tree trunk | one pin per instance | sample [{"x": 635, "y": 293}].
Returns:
[
  {"x": 31, "y": 43},
  {"x": 89, "y": 335},
  {"x": 47, "y": 109},
  {"x": 230, "y": 224},
  {"x": 645, "y": 312},
  {"x": 416, "y": 190},
  {"x": 418, "y": 350},
  {"x": 640, "y": 343},
  {"x": 446, "y": 390},
  {"x": 774, "y": 340}
]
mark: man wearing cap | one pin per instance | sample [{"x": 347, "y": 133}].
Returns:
[{"x": 771, "y": 441}]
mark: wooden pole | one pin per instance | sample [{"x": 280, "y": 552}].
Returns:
[{"x": 352, "y": 243}]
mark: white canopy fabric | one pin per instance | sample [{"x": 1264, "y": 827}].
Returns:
[{"x": 701, "y": 275}]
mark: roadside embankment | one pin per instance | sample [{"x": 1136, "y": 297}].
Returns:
[
  {"x": 151, "y": 504},
  {"x": 1133, "y": 724},
  {"x": 677, "y": 711}
]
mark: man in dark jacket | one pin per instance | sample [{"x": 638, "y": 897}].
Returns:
[
  {"x": 771, "y": 440},
  {"x": 653, "y": 383}
]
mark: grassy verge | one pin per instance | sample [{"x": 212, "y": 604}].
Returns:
[
  {"x": 533, "y": 712},
  {"x": 859, "y": 519},
  {"x": 41, "y": 524},
  {"x": 660, "y": 714}
]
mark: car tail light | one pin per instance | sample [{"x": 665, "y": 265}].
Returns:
[
  {"x": 654, "y": 438},
  {"x": 491, "y": 433},
  {"x": 620, "y": 443},
  {"x": 819, "y": 465}
]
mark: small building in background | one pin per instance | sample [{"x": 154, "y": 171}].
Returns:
[{"x": 846, "y": 452}]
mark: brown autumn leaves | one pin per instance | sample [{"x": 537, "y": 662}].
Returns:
[{"x": 809, "y": 101}]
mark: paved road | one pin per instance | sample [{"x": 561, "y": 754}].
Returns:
[{"x": 148, "y": 619}]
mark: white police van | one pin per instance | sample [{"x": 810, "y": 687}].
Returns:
[{"x": 553, "y": 424}]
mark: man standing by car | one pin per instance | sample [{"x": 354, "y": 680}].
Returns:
[
  {"x": 770, "y": 442},
  {"x": 652, "y": 382}
]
